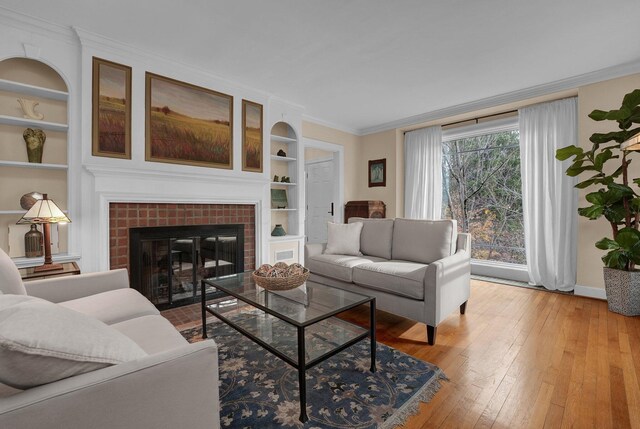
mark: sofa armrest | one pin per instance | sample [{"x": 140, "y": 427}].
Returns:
[
  {"x": 313, "y": 249},
  {"x": 447, "y": 284},
  {"x": 59, "y": 289},
  {"x": 176, "y": 388}
]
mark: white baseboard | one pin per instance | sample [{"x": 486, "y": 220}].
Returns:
[{"x": 590, "y": 292}]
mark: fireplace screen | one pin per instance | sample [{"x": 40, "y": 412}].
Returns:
[{"x": 168, "y": 263}]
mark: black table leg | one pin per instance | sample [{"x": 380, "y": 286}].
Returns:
[
  {"x": 372, "y": 330},
  {"x": 302, "y": 381},
  {"x": 203, "y": 304}
]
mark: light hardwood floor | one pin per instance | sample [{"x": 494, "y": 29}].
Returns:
[{"x": 525, "y": 358}]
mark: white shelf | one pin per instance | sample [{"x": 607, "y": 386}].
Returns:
[
  {"x": 33, "y": 165},
  {"x": 36, "y": 91},
  {"x": 283, "y": 158},
  {"x": 14, "y": 120},
  {"x": 24, "y": 262},
  {"x": 287, "y": 237},
  {"x": 282, "y": 139},
  {"x": 283, "y": 184},
  {"x": 284, "y": 210}
]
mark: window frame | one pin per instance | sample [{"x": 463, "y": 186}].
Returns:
[{"x": 503, "y": 270}]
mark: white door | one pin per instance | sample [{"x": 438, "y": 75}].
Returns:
[{"x": 320, "y": 190}]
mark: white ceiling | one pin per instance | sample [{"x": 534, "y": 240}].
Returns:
[{"x": 362, "y": 63}]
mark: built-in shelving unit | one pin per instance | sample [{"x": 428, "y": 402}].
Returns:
[
  {"x": 286, "y": 248},
  {"x": 22, "y": 78}
]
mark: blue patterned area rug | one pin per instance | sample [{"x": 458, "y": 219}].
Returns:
[{"x": 259, "y": 390}]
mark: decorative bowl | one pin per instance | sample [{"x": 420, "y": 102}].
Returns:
[{"x": 281, "y": 283}]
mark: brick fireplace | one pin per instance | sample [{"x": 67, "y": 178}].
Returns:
[{"x": 123, "y": 216}]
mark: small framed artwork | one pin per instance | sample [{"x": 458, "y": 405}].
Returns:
[
  {"x": 111, "y": 109},
  {"x": 279, "y": 199},
  {"x": 378, "y": 172},
  {"x": 251, "y": 136},
  {"x": 188, "y": 124}
]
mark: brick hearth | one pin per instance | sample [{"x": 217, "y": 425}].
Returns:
[{"x": 123, "y": 216}]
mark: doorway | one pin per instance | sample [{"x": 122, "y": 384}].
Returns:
[{"x": 323, "y": 188}]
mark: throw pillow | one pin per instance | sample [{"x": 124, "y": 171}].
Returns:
[
  {"x": 10, "y": 280},
  {"x": 42, "y": 342},
  {"x": 344, "y": 239}
]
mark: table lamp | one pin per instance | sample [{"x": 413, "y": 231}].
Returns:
[{"x": 45, "y": 212}]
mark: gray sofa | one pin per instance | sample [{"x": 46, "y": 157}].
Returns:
[
  {"x": 175, "y": 385},
  {"x": 418, "y": 269}
]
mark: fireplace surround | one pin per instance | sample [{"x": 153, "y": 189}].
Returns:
[{"x": 126, "y": 216}]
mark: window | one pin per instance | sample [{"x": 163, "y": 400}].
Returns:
[{"x": 482, "y": 190}]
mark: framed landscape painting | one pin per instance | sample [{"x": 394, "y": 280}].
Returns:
[
  {"x": 251, "y": 136},
  {"x": 378, "y": 172},
  {"x": 111, "y": 109},
  {"x": 187, "y": 124}
]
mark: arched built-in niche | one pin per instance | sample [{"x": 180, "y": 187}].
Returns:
[
  {"x": 44, "y": 96},
  {"x": 284, "y": 140}
]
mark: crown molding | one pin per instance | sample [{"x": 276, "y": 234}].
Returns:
[
  {"x": 510, "y": 97},
  {"x": 328, "y": 124},
  {"x": 116, "y": 47},
  {"x": 22, "y": 22}
]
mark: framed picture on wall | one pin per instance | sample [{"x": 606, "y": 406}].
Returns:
[
  {"x": 378, "y": 172},
  {"x": 111, "y": 109},
  {"x": 252, "y": 147},
  {"x": 188, "y": 124}
]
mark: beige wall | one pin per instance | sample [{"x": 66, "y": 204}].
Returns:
[
  {"x": 379, "y": 146},
  {"x": 605, "y": 95},
  {"x": 352, "y": 151}
]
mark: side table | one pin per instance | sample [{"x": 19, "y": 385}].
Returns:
[{"x": 68, "y": 269}]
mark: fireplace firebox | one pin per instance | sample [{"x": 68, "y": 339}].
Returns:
[{"x": 168, "y": 263}]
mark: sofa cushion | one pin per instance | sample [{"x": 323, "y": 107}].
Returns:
[
  {"x": 402, "y": 278},
  {"x": 154, "y": 334},
  {"x": 42, "y": 342},
  {"x": 10, "y": 280},
  {"x": 337, "y": 267},
  {"x": 343, "y": 239},
  {"x": 376, "y": 236},
  {"x": 113, "y": 306},
  {"x": 424, "y": 241}
]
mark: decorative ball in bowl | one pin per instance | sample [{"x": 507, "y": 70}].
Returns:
[{"x": 280, "y": 276}]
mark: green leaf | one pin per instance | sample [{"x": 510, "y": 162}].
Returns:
[
  {"x": 598, "y": 198},
  {"x": 614, "y": 115},
  {"x": 588, "y": 183},
  {"x": 632, "y": 99},
  {"x": 567, "y": 152},
  {"x": 607, "y": 244},
  {"x": 575, "y": 170},
  {"x": 593, "y": 212},
  {"x": 621, "y": 190},
  {"x": 627, "y": 237},
  {"x": 615, "y": 259},
  {"x": 601, "y": 158},
  {"x": 618, "y": 136}
]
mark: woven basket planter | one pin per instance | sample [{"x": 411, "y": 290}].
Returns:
[
  {"x": 623, "y": 291},
  {"x": 281, "y": 283}
]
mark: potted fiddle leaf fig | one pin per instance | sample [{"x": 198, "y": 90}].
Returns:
[{"x": 614, "y": 199}]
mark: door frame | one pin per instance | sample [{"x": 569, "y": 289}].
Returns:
[{"x": 338, "y": 169}]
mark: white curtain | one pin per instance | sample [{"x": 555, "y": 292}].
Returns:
[
  {"x": 548, "y": 195},
  {"x": 423, "y": 173}
]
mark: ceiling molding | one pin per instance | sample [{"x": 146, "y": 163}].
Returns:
[
  {"x": 510, "y": 97},
  {"x": 333, "y": 125},
  {"x": 35, "y": 25},
  {"x": 90, "y": 39}
]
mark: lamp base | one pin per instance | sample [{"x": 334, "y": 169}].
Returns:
[{"x": 47, "y": 267}]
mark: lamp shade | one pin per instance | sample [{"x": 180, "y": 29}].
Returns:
[
  {"x": 44, "y": 211},
  {"x": 632, "y": 144}
]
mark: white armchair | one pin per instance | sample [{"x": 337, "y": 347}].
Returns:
[{"x": 175, "y": 385}]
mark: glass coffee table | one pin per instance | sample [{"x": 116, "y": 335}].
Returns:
[{"x": 275, "y": 319}]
